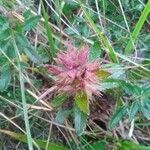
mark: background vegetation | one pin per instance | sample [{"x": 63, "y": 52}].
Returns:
[{"x": 32, "y": 32}]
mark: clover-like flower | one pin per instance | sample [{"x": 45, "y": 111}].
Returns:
[{"x": 74, "y": 73}]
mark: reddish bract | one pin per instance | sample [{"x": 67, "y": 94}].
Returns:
[{"x": 73, "y": 71}]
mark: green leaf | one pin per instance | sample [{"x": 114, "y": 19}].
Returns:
[
  {"x": 80, "y": 120},
  {"x": 117, "y": 74},
  {"x": 108, "y": 85},
  {"x": 128, "y": 145},
  {"x": 145, "y": 109},
  {"x": 146, "y": 101},
  {"x": 31, "y": 22},
  {"x": 102, "y": 74},
  {"x": 82, "y": 102},
  {"x": 4, "y": 34},
  {"x": 49, "y": 33},
  {"x": 95, "y": 51},
  {"x": 33, "y": 55},
  {"x": 4, "y": 24},
  {"x": 21, "y": 40},
  {"x": 117, "y": 116},
  {"x": 99, "y": 145},
  {"x": 5, "y": 77},
  {"x": 133, "y": 110},
  {"x": 41, "y": 143},
  {"x": 62, "y": 115},
  {"x": 147, "y": 91},
  {"x": 59, "y": 100},
  {"x": 27, "y": 14},
  {"x": 146, "y": 112}
]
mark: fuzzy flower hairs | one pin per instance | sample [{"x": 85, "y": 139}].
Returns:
[
  {"x": 75, "y": 77},
  {"x": 74, "y": 73}
]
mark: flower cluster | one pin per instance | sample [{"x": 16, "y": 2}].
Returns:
[{"x": 73, "y": 72}]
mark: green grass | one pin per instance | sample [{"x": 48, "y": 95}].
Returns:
[
  {"x": 110, "y": 51},
  {"x": 24, "y": 103},
  {"x": 49, "y": 33},
  {"x": 134, "y": 35}
]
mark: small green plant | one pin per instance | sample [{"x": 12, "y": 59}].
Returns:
[{"x": 77, "y": 77}]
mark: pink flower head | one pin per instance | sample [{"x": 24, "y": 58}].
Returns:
[{"x": 73, "y": 72}]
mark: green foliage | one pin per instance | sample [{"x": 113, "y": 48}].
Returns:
[
  {"x": 31, "y": 22},
  {"x": 8, "y": 34},
  {"x": 99, "y": 145},
  {"x": 138, "y": 27},
  {"x": 80, "y": 120},
  {"x": 95, "y": 51},
  {"x": 62, "y": 115},
  {"x": 117, "y": 116},
  {"x": 110, "y": 31},
  {"x": 110, "y": 50},
  {"x": 41, "y": 143},
  {"x": 5, "y": 77},
  {"x": 49, "y": 33},
  {"x": 128, "y": 145},
  {"x": 82, "y": 102},
  {"x": 133, "y": 110},
  {"x": 59, "y": 100}
]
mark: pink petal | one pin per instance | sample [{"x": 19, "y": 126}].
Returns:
[
  {"x": 91, "y": 77},
  {"x": 93, "y": 66},
  {"x": 72, "y": 74},
  {"x": 83, "y": 54}
]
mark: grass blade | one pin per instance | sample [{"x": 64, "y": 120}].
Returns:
[
  {"x": 110, "y": 51},
  {"x": 25, "y": 110},
  {"x": 135, "y": 33},
  {"x": 41, "y": 143},
  {"x": 49, "y": 33}
]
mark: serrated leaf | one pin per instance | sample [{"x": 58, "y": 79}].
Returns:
[
  {"x": 133, "y": 110},
  {"x": 80, "y": 120},
  {"x": 41, "y": 143},
  {"x": 108, "y": 85},
  {"x": 147, "y": 91},
  {"x": 27, "y": 14},
  {"x": 117, "y": 116},
  {"x": 59, "y": 100},
  {"x": 4, "y": 24},
  {"x": 5, "y": 77},
  {"x": 95, "y": 51},
  {"x": 3, "y": 60},
  {"x": 4, "y": 34},
  {"x": 147, "y": 102},
  {"x": 82, "y": 102},
  {"x": 62, "y": 115},
  {"x": 117, "y": 74},
  {"x": 31, "y": 22},
  {"x": 33, "y": 55},
  {"x": 145, "y": 110},
  {"x": 102, "y": 74},
  {"x": 21, "y": 40}
]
